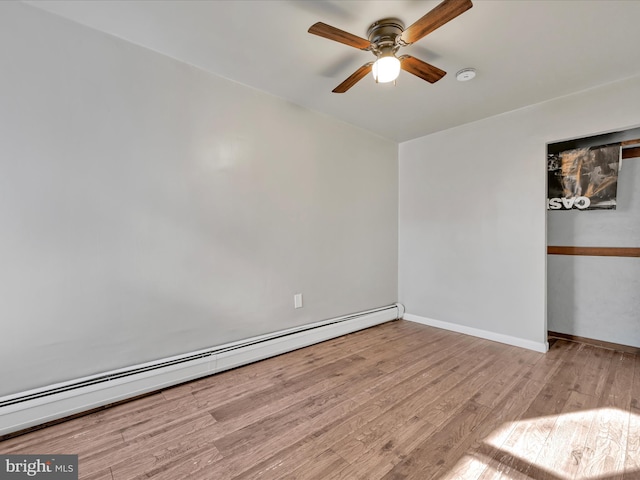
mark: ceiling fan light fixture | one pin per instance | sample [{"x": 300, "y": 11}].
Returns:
[{"x": 386, "y": 69}]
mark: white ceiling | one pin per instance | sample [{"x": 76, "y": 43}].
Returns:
[{"x": 525, "y": 52}]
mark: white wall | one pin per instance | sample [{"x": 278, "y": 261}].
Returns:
[
  {"x": 149, "y": 208},
  {"x": 472, "y": 248}
]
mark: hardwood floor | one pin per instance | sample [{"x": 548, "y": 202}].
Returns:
[{"x": 397, "y": 401}]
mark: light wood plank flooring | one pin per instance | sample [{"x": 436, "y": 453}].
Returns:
[{"x": 396, "y": 401}]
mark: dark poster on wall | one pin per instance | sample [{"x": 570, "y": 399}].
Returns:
[{"x": 583, "y": 179}]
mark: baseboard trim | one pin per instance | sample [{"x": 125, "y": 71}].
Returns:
[
  {"x": 596, "y": 343},
  {"x": 541, "y": 347},
  {"x": 26, "y": 415}
]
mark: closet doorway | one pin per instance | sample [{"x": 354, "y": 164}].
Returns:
[{"x": 593, "y": 255}]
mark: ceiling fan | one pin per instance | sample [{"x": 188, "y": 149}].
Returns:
[{"x": 386, "y": 37}]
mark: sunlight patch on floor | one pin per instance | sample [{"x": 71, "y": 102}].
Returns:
[
  {"x": 469, "y": 467},
  {"x": 583, "y": 445}
]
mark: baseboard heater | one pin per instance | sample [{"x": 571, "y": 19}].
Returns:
[{"x": 35, "y": 407}]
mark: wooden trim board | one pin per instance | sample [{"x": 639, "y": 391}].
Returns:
[
  {"x": 631, "y": 152},
  {"x": 598, "y": 343},
  {"x": 595, "y": 251},
  {"x": 630, "y": 148}
]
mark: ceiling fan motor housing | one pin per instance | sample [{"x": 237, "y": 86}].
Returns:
[{"x": 384, "y": 35}]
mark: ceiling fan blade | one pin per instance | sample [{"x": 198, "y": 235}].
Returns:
[
  {"x": 421, "y": 69},
  {"x": 355, "y": 77},
  {"x": 441, "y": 14},
  {"x": 337, "y": 35}
]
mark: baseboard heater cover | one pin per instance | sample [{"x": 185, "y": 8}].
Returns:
[{"x": 35, "y": 407}]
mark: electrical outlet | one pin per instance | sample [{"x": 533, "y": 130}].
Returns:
[{"x": 297, "y": 300}]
